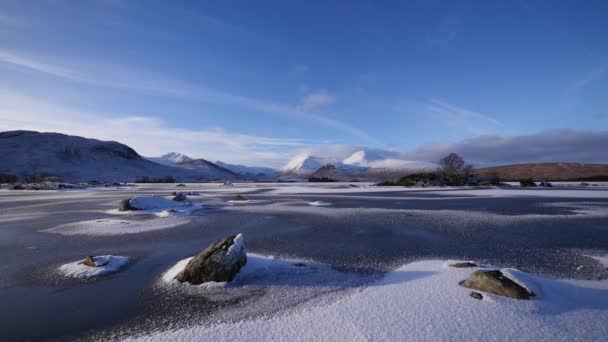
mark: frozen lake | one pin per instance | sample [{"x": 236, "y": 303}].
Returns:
[{"x": 353, "y": 235}]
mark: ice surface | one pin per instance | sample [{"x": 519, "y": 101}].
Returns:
[
  {"x": 155, "y": 202},
  {"x": 422, "y": 301},
  {"x": 111, "y": 264}
]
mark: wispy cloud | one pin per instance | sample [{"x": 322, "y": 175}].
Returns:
[
  {"x": 461, "y": 118},
  {"x": 591, "y": 76},
  {"x": 547, "y": 146},
  {"x": 316, "y": 100},
  {"x": 150, "y": 136},
  {"x": 129, "y": 78}
]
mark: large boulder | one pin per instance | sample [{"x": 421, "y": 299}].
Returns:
[
  {"x": 125, "y": 205},
  {"x": 219, "y": 262},
  {"x": 496, "y": 283}
]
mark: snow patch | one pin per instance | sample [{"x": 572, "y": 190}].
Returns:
[
  {"x": 422, "y": 301},
  {"x": 104, "y": 227},
  {"x": 319, "y": 203},
  {"x": 601, "y": 259},
  {"x": 109, "y": 264}
]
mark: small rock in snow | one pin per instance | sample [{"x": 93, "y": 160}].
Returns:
[
  {"x": 240, "y": 198},
  {"x": 496, "y": 283},
  {"x": 476, "y": 295},
  {"x": 92, "y": 262},
  {"x": 180, "y": 197}
]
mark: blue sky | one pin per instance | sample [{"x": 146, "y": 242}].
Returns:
[{"x": 256, "y": 81}]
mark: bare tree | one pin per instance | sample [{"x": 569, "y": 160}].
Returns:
[{"x": 453, "y": 170}]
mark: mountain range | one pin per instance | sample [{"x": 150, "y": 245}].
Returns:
[{"x": 77, "y": 159}]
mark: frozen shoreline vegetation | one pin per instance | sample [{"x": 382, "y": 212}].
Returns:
[
  {"x": 422, "y": 301},
  {"x": 103, "y": 264}
]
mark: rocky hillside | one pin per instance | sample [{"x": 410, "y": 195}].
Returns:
[
  {"x": 549, "y": 171},
  {"x": 77, "y": 159}
]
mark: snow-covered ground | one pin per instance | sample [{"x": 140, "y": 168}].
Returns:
[
  {"x": 422, "y": 301},
  {"x": 108, "y": 264},
  {"x": 365, "y": 232},
  {"x": 106, "y": 226}
]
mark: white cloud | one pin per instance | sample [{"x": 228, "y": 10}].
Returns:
[
  {"x": 313, "y": 101},
  {"x": 548, "y": 146},
  {"x": 147, "y": 135},
  {"x": 129, "y": 78}
]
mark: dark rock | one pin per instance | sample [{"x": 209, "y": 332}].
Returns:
[
  {"x": 463, "y": 265},
  {"x": 476, "y": 295},
  {"x": 125, "y": 205},
  {"x": 240, "y": 198},
  {"x": 180, "y": 197},
  {"x": 545, "y": 184},
  {"x": 181, "y": 184},
  {"x": 92, "y": 262},
  {"x": 299, "y": 264},
  {"x": 219, "y": 262},
  {"x": 89, "y": 261},
  {"x": 496, "y": 283}
]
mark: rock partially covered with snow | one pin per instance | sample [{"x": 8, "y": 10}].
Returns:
[
  {"x": 125, "y": 205},
  {"x": 219, "y": 262},
  {"x": 92, "y": 261},
  {"x": 496, "y": 283},
  {"x": 94, "y": 266}
]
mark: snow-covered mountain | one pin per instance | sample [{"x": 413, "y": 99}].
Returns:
[
  {"x": 251, "y": 172},
  {"x": 304, "y": 164},
  {"x": 78, "y": 159},
  {"x": 170, "y": 158},
  {"x": 361, "y": 164}
]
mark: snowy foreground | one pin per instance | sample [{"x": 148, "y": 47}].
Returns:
[
  {"x": 353, "y": 262},
  {"x": 422, "y": 301}
]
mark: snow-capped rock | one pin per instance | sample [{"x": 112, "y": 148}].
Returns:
[{"x": 219, "y": 262}]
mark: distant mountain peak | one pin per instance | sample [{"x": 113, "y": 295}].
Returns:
[{"x": 171, "y": 158}]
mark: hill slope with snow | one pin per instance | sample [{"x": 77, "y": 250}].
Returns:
[
  {"x": 78, "y": 159},
  {"x": 170, "y": 158}
]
